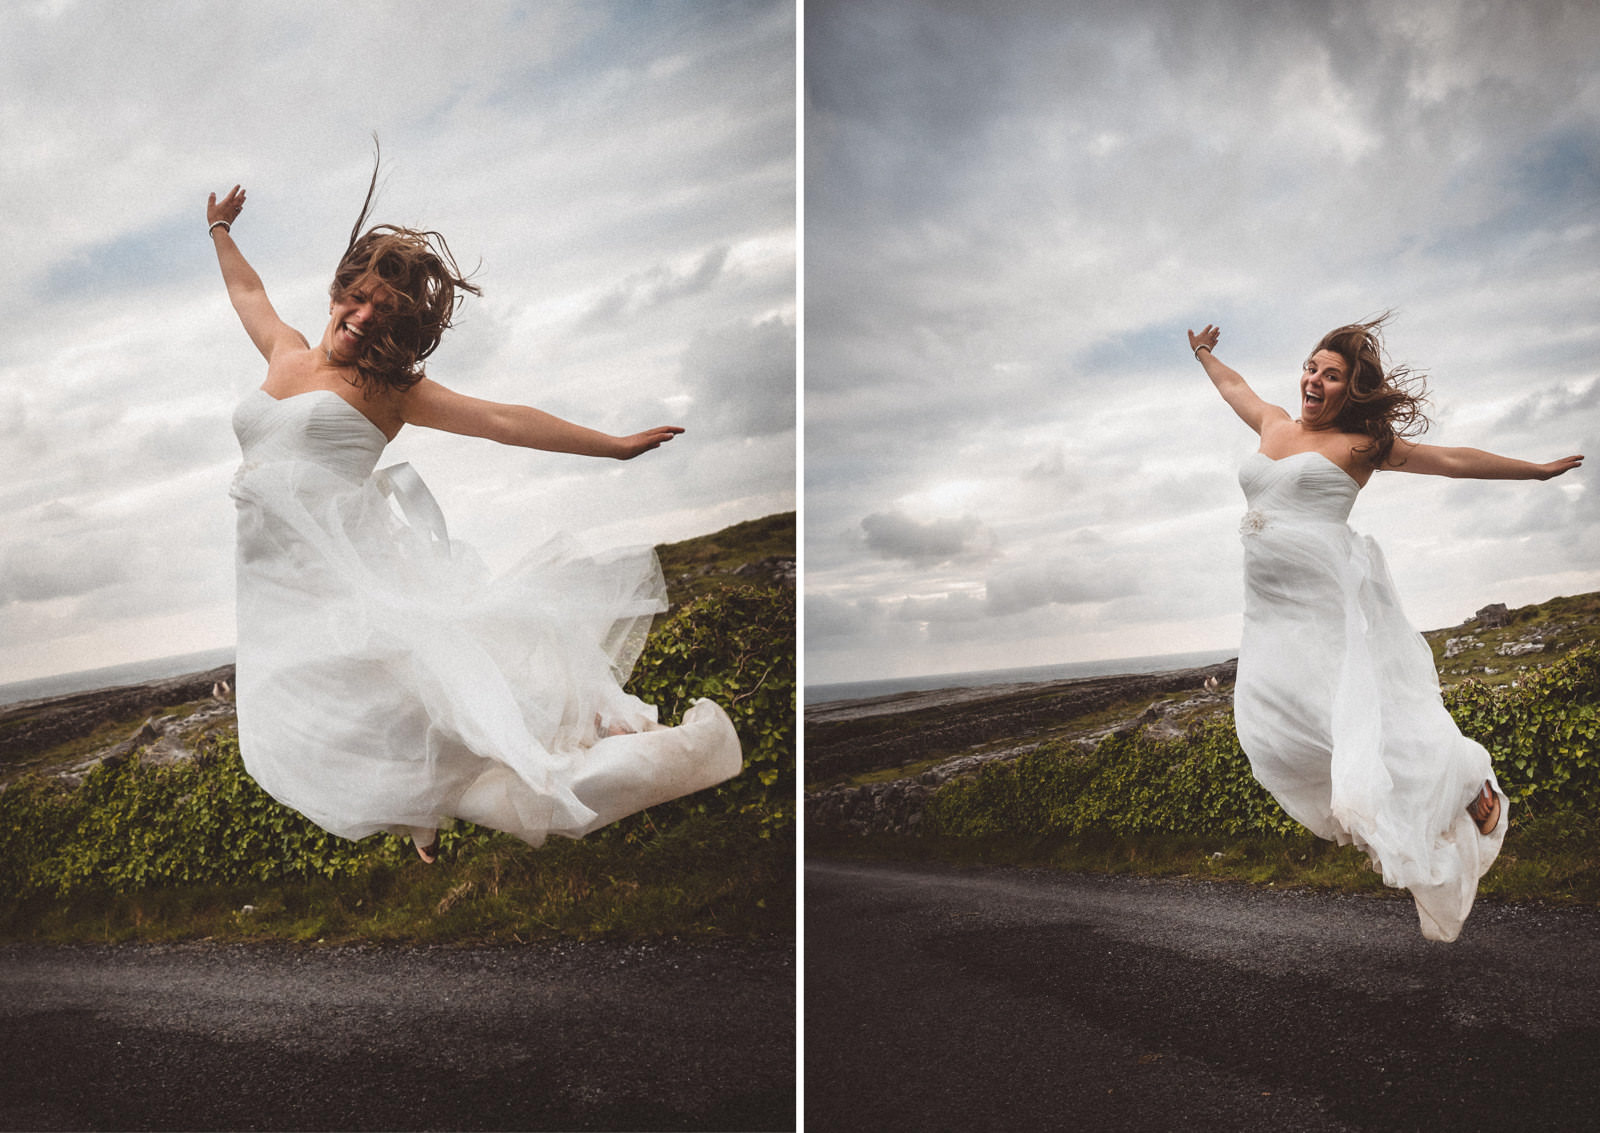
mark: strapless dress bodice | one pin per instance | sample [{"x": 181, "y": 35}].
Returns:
[
  {"x": 1305, "y": 487},
  {"x": 318, "y": 426}
]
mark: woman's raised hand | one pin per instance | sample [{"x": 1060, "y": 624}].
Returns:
[
  {"x": 1557, "y": 467},
  {"x": 227, "y": 209},
  {"x": 647, "y": 440},
  {"x": 1206, "y": 338}
]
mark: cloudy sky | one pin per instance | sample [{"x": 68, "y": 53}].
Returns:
[
  {"x": 1015, "y": 210},
  {"x": 624, "y": 172}
]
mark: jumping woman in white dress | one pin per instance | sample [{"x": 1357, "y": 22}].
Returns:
[
  {"x": 1337, "y": 699},
  {"x": 385, "y": 681}
]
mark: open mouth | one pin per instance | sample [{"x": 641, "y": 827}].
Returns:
[{"x": 350, "y": 337}]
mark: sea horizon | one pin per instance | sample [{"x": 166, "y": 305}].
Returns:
[
  {"x": 116, "y": 676},
  {"x": 985, "y": 678},
  {"x": 181, "y": 664}
]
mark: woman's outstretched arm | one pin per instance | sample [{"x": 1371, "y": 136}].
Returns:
[
  {"x": 1233, "y": 388},
  {"x": 432, "y": 406},
  {"x": 1472, "y": 463},
  {"x": 245, "y": 289}
]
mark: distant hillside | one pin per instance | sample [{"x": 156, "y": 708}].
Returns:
[
  {"x": 758, "y": 552},
  {"x": 75, "y": 731},
  {"x": 1496, "y": 644},
  {"x": 947, "y": 732}
]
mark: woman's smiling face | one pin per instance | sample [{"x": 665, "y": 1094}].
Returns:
[
  {"x": 1324, "y": 387},
  {"x": 353, "y": 315}
]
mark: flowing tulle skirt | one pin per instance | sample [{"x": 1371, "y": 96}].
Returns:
[
  {"x": 387, "y": 682},
  {"x": 1337, "y": 705}
]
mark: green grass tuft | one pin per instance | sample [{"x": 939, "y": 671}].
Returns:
[
  {"x": 1189, "y": 806},
  {"x": 707, "y": 878}
]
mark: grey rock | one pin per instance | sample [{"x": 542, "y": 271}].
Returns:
[{"x": 1494, "y": 615}]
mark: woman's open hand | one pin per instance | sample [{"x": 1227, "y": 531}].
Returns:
[
  {"x": 227, "y": 209},
  {"x": 647, "y": 440},
  {"x": 1557, "y": 467},
  {"x": 1206, "y": 338}
]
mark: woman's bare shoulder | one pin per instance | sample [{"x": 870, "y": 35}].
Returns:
[
  {"x": 291, "y": 370},
  {"x": 1277, "y": 429}
]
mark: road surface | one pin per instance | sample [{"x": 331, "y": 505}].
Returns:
[
  {"x": 564, "y": 1036},
  {"x": 999, "y": 999}
]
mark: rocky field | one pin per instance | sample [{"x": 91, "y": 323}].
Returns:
[
  {"x": 66, "y": 735},
  {"x": 871, "y": 763}
]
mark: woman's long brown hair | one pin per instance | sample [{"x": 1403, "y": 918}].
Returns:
[
  {"x": 1383, "y": 405},
  {"x": 425, "y": 285}
]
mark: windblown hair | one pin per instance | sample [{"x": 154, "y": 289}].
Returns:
[
  {"x": 426, "y": 286},
  {"x": 1384, "y": 405}
]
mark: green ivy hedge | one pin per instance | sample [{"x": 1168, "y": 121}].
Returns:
[
  {"x": 737, "y": 647},
  {"x": 1543, "y": 737},
  {"x": 1126, "y": 785},
  {"x": 131, "y": 827},
  {"x": 1544, "y": 733},
  {"x": 205, "y": 821}
]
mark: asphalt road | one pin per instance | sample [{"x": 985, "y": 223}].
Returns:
[
  {"x": 570, "y": 1036},
  {"x": 946, "y": 999}
]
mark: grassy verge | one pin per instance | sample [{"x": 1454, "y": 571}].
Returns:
[
  {"x": 695, "y": 567},
  {"x": 195, "y": 849},
  {"x": 704, "y": 878},
  {"x": 1550, "y": 860},
  {"x": 1188, "y": 805}
]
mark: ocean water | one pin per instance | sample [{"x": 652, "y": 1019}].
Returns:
[
  {"x": 1072, "y": 670},
  {"x": 135, "y": 672}
]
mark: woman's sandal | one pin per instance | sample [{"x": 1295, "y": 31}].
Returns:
[{"x": 1485, "y": 810}]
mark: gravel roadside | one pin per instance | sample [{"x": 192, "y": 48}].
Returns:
[
  {"x": 946, "y": 998},
  {"x": 566, "y": 1036}
]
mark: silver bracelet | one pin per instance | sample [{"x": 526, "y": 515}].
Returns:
[
  {"x": 1199, "y": 348},
  {"x": 226, "y": 227}
]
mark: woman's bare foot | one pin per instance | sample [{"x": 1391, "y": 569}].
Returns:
[
  {"x": 430, "y": 852},
  {"x": 1485, "y": 809}
]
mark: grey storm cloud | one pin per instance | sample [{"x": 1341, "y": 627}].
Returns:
[
  {"x": 1050, "y": 582},
  {"x": 46, "y": 569},
  {"x": 657, "y": 287},
  {"x": 829, "y": 618},
  {"x": 742, "y": 376},
  {"x": 1546, "y": 407},
  {"x": 895, "y": 535}
]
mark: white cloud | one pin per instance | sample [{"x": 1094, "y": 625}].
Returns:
[
  {"x": 624, "y": 172},
  {"x": 1015, "y": 211}
]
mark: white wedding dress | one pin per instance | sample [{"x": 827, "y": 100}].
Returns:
[
  {"x": 1337, "y": 700},
  {"x": 386, "y": 683}
]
